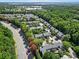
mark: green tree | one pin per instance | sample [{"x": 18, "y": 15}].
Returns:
[
  {"x": 0, "y": 55},
  {"x": 28, "y": 33},
  {"x": 7, "y": 44},
  {"x": 38, "y": 41},
  {"x": 77, "y": 50},
  {"x": 23, "y": 26},
  {"x": 75, "y": 38},
  {"x": 51, "y": 55},
  {"x": 38, "y": 55},
  {"x": 66, "y": 37},
  {"x": 66, "y": 44}
]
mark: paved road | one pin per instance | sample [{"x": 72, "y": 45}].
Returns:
[
  {"x": 19, "y": 42},
  {"x": 72, "y": 53}
]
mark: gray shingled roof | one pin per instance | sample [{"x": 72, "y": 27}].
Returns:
[
  {"x": 47, "y": 34},
  {"x": 38, "y": 35},
  {"x": 50, "y": 46}
]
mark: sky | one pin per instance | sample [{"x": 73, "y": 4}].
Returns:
[{"x": 39, "y": 0}]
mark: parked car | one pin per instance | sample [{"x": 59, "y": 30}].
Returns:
[{"x": 28, "y": 50}]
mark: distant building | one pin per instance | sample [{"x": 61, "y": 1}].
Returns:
[
  {"x": 39, "y": 27},
  {"x": 38, "y": 35},
  {"x": 41, "y": 24},
  {"x": 60, "y": 34},
  {"x": 47, "y": 30},
  {"x": 46, "y": 47},
  {"x": 47, "y": 34},
  {"x": 34, "y": 8}
]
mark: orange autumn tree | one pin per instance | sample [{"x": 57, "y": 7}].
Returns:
[
  {"x": 31, "y": 43},
  {"x": 33, "y": 47}
]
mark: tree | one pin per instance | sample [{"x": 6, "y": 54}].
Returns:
[
  {"x": 28, "y": 34},
  {"x": 53, "y": 33},
  {"x": 0, "y": 55},
  {"x": 16, "y": 22},
  {"x": 7, "y": 55},
  {"x": 66, "y": 37},
  {"x": 7, "y": 33},
  {"x": 38, "y": 55},
  {"x": 38, "y": 41},
  {"x": 7, "y": 45},
  {"x": 33, "y": 48},
  {"x": 50, "y": 55},
  {"x": 30, "y": 39},
  {"x": 61, "y": 53},
  {"x": 66, "y": 44},
  {"x": 31, "y": 43},
  {"x": 23, "y": 26},
  {"x": 77, "y": 50},
  {"x": 75, "y": 38}
]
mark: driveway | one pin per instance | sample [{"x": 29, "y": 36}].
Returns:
[{"x": 19, "y": 41}]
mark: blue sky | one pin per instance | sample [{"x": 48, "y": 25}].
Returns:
[{"x": 39, "y": 0}]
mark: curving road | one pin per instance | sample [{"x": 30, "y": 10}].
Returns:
[
  {"x": 72, "y": 53},
  {"x": 19, "y": 41}
]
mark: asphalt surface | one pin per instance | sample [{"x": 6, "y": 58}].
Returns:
[
  {"x": 72, "y": 53},
  {"x": 19, "y": 41}
]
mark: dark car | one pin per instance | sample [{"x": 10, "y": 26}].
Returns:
[{"x": 28, "y": 50}]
